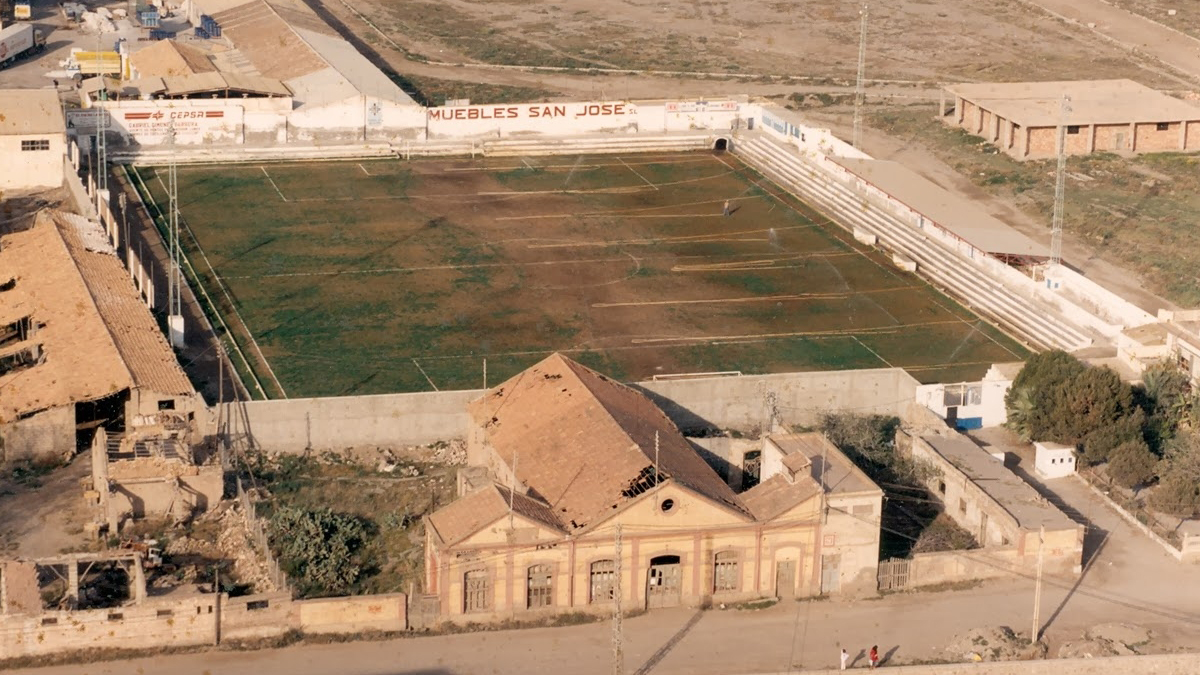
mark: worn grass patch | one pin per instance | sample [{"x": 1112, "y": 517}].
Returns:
[{"x": 388, "y": 276}]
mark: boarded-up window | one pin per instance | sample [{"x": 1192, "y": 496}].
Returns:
[
  {"x": 603, "y": 580},
  {"x": 725, "y": 572},
  {"x": 541, "y": 587},
  {"x": 477, "y": 591}
]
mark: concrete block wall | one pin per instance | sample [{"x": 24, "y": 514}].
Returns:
[
  {"x": 46, "y": 436},
  {"x": 386, "y": 613},
  {"x": 734, "y": 402}
]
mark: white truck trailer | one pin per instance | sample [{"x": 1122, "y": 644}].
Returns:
[{"x": 18, "y": 41}]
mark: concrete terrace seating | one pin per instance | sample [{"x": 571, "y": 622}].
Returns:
[
  {"x": 1029, "y": 320},
  {"x": 593, "y": 145}
]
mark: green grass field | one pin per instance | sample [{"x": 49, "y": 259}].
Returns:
[{"x": 341, "y": 278}]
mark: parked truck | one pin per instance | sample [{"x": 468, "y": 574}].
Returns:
[
  {"x": 22, "y": 11},
  {"x": 18, "y": 41}
]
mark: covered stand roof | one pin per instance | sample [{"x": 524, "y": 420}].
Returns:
[
  {"x": 957, "y": 215},
  {"x": 584, "y": 444},
  {"x": 1039, "y": 104}
]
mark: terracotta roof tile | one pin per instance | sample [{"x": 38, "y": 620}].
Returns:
[
  {"x": 585, "y": 444},
  {"x": 471, "y": 513},
  {"x": 81, "y": 361},
  {"x": 772, "y": 497},
  {"x": 138, "y": 339}
]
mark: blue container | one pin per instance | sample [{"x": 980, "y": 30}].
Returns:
[
  {"x": 149, "y": 19},
  {"x": 201, "y": 33}
]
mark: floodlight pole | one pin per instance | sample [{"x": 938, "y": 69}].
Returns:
[
  {"x": 1060, "y": 185},
  {"x": 101, "y": 127},
  {"x": 859, "y": 95},
  {"x": 175, "y": 326}
]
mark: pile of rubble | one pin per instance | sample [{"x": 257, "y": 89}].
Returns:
[
  {"x": 1107, "y": 639},
  {"x": 994, "y": 643},
  {"x": 234, "y": 547}
]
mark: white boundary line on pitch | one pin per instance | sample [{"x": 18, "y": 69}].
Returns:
[
  {"x": 764, "y": 298},
  {"x": 568, "y": 167},
  {"x": 225, "y": 292},
  {"x": 418, "y": 365},
  {"x": 873, "y": 352},
  {"x": 635, "y": 172},
  {"x": 277, "y": 190}
]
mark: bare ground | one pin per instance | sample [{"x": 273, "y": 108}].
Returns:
[{"x": 43, "y": 514}]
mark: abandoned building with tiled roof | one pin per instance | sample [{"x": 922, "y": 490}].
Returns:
[
  {"x": 79, "y": 350},
  {"x": 564, "y": 456}
]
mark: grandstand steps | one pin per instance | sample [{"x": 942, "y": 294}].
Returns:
[{"x": 1029, "y": 320}]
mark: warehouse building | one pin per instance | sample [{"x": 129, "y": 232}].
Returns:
[
  {"x": 1023, "y": 118},
  {"x": 33, "y": 139}
]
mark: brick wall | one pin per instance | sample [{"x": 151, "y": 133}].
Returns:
[
  {"x": 1150, "y": 139},
  {"x": 1077, "y": 143},
  {"x": 1193, "y": 135},
  {"x": 1042, "y": 142},
  {"x": 1112, "y": 138},
  {"x": 970, "y": 116}
]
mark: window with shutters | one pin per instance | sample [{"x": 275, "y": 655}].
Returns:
[
  {"x": 540, "y": 587},
  {"x": 725, "y": 572},
  {"x": 477, "y": 591},
  {"x": 603, "y": 580}
]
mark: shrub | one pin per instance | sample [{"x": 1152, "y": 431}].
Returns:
[
  {"x": 319, "y": 549},
  {"x": 1132, "y": 464}
]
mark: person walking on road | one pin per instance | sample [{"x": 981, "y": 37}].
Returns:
[
  {"x": 845, "y": 658},
  {"x": 726, "y": 211},
  {"x": 874, "y": 656}
]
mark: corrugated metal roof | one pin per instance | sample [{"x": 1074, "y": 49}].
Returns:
[
  {"x": 320, "y": 88},
  {"x": 169, "y": 58},
  {"x": 268, "y": 42},
  {"x": 1038, "y": 104},
  {"x": 30, "y": 111},
  {"x": 185, "y": 85},
  {"x": 958, "y": 215},
  {"x": 355, "y": 67}
]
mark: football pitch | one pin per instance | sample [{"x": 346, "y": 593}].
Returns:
[{"x": 342, "y": 278}]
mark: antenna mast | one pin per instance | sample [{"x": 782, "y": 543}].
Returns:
[
  {"x": 1060, "y": 185},
  {"x": 862, "y": 66}
]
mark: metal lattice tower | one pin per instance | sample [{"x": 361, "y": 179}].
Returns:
[
  {"x": 174, "y": 294},
  {"x": 101, "y": 127},
  {"x": 862, "y": 67},
  {"x": 1060, "y": 185}
]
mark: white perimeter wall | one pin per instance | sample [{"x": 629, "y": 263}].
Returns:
[
  {"x": 564, "y": 119},
  {"x": 196, "y": 121},
  {"x": 737, "y": 402}
]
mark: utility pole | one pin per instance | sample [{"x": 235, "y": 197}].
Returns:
[
  {"x": 485, "y": 373},
  {"x": 101, "y": 127},
  {"x": 1060, "y": 184},
  {"x": 1037, "y": 588},
  {"x": 862, "y": 66},
  {"x": 174, "y": 280},
  {"x": 617, "y": 630}
]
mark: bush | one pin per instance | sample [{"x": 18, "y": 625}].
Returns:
[
  {"x": 1099, "y": 444},
  {"x": 1132, "y": 464},
  {"x": 320, "y": 550},
  {"x": 1178, "y": 491}
]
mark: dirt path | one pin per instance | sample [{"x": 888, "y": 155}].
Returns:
[
  {"x": 1131, "y": 31},
  {"x": 44, "y": 515}
]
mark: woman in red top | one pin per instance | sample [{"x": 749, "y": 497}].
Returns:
[{"x": 874, "y": 656}]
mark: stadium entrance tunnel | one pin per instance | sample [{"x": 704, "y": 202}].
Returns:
[{"x": 721, "y": 145}]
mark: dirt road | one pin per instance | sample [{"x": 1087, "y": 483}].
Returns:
[{"x": 1131, "y": 31}]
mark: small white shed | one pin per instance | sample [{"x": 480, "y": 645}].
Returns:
[{"x": 1054, "y": 460}]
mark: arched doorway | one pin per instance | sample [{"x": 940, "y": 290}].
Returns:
[
  {"x": 721, "y": 145},
  {"x": 663, "y": 587}
]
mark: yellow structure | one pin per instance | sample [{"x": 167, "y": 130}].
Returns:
[{"x": 573, "y": 458}]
